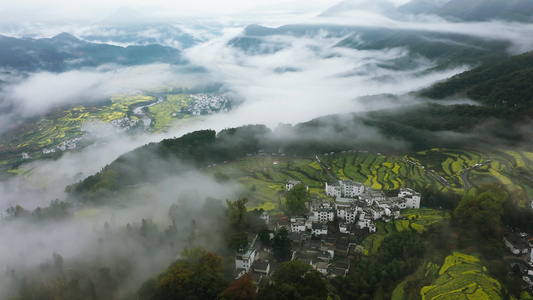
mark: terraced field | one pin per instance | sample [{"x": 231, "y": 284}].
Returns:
[
  {"x": 415, "y": 219},
  {"x": 372, "y": 242},
  {"x": 450, "y": 163},
  {"x": 444, "y": 169},
  {"x": 263, "y": 178},
  {"x": 462, "y": 277},
  {"x": 379, "y": 171},
  {"x": 419, "y": 219}
]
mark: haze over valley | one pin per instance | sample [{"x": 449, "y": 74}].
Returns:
[{"x": 130, "y": 135}]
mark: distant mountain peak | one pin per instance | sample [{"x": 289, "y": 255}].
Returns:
[
  {"x": 65, "y": 36},
  {"x": 379, "y": 6},
  {"x": 66, "y": 39}
]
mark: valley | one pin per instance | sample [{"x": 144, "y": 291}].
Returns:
[
  {"x": 80, "y": 126},
  {"x": 327, "y": 150}
]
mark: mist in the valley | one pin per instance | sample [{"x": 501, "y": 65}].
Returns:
[
  {"x": 41, "y": 92},
  {"x": 132, "y": 238},
  {"x": 296, "y": 79}
]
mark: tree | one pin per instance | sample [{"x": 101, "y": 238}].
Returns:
[
  {"x": 281, "y": 245},
  {"x": 296, "y": 199},
  {"x": 398, "y": 256},
  {"x": 296, "y": 280},
  {"x": 242, "y": 289},
  {"x": 238, "y": 241},
  {"x": 197, "y": 275},
  {"x": 58, "y": 262},
  {"x": 481, "y": 211},
  {"x": 264, "y": 236},
  {"x": 237, "y": 213},
  {"x": 16, "y": 211},
  {"x": 516, "y": 270}
]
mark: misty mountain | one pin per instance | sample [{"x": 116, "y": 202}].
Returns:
[
  {"x": 416, "y": 7},
  {"x": 130, "y": 26},
  {"x": 66, "y": 52},
  {"x": 505, "y": 85},
  {"x": 412, "y": 128},
  {"x": 452, "y": 10},
  {"x": 486, "y": 10},
  {"x": 446, "y": 48},
  {"x": 253, "y": 38},
  {"x": 155, "y": 161},
  {"x": 422, "y": 126},
  {"x": 383, "y": 7}
]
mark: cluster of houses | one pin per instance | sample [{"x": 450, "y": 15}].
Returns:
[
  {"x": 205, "y": 104},
  {"x": 360, "y": 206},
  {"x": 520, "y": 244},
  {"x": 329, "y": 236}
]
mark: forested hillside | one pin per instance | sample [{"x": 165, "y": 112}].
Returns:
[{"x": 504, "y": 86}]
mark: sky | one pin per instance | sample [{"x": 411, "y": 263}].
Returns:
[{"x": 92, "y": 11}]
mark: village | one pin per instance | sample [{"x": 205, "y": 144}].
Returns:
[
  {"x": 329, "y": 236},
  {"x": 205, "y": 104}
]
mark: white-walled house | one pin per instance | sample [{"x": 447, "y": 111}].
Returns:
[
  {"x": 319, "y": 229},
  {"x": 411, "y": 197},
  {"x": 515, "y": 244},
  {"x": 292, "y": 183},
  {"x": 298, "y": 225},
  {"x": 346, "y": 188},
  {"x": 333, "y": 189},
  {"x": 319, "y": 203},
  {"x": 245, "y": 259},
  {"x": 352, "y": 188},
  {"x": 262, "y": 267},
  {"x": 265, "y": 216},
  {"x": 324, "y": 214}
]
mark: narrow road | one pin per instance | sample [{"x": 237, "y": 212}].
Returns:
[
  {"x": 327, "y": 169},
  {"x": 464, "y": 175}
]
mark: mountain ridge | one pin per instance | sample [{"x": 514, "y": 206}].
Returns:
[{"x": 64, "y": 52}]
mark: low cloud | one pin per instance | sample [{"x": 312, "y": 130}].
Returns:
[
  {"x": 306, "y": 77},
  {"x": 514, "y": 32},
  {"x": 41, "y": 92},
  {"x": 99, "y": 237}
]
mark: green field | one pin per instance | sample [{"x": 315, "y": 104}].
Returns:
[
  {"x": 462, "y": 277},
  {"x": 165, "y": 113}
]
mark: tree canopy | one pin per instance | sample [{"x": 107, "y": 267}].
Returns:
[
  {"x": 296, "y": 280},
  {"x": 197, "y": 275},
  {"x": 296, "y": 199}
]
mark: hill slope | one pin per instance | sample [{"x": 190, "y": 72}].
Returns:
[{"x": 504, "y": 85}]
